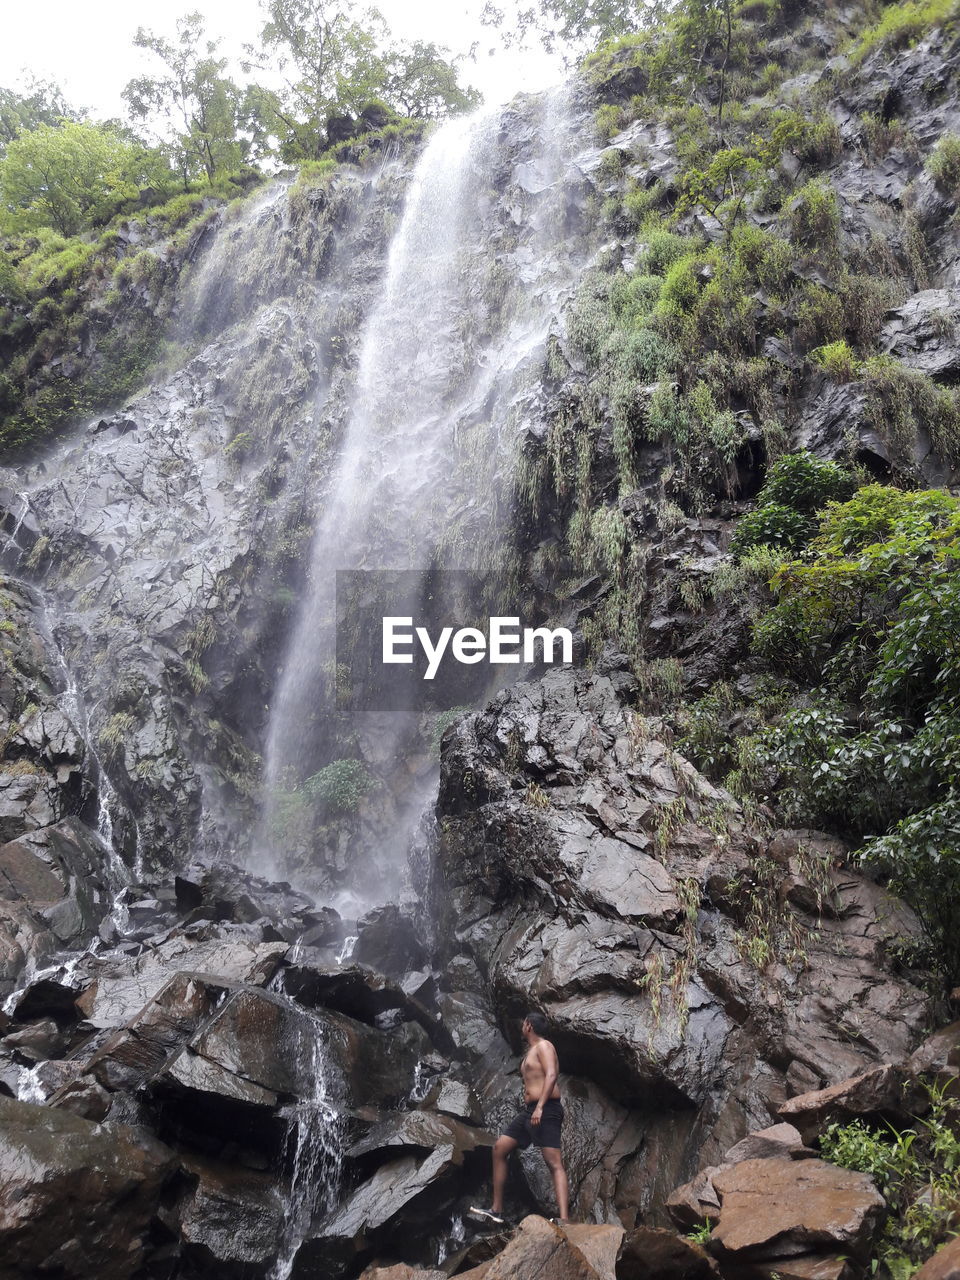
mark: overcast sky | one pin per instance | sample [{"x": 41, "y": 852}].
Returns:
[{"x": 86, "y": 47}]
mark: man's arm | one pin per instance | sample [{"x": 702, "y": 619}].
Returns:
[{"x": 551, "y": 1072}]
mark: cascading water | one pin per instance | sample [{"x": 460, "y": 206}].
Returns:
[{"x": 473, "y": 286}]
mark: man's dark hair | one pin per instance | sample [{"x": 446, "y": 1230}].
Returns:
[{"x": 538, "y": 1022}]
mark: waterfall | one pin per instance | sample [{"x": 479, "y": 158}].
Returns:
[{"x": 473, "y": 287}]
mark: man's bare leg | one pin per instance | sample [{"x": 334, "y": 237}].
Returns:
[
  {"x": 501, "y": 1151},
  {"x": 561, "y": 1187}
]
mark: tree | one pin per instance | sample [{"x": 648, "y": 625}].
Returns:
[
  {"x": 574, "y": 25},
  {"x": 41, "y": 102},
  {"x": 329, "y": 62},
  {"x": 199, "y": 101},
  {"x": 66, "y": 176},
  {"x": 422, "y": 82},
  {"x": 334, "y": 60}
]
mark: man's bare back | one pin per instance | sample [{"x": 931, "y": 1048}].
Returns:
[{"x": 536, "y": 1064}]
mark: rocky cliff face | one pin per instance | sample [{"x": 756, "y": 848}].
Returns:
[{"x": 209, "y": 1072}]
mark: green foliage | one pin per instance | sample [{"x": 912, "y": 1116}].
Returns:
[
  {"x": 944, "y": 163},
  {"x": 340, "y": 786},
  {"x": 442, "y": 722},
  {"x": 797, "y": 485},
  {"x": 202, "y": 106},
  {"x": 904, "y": 24},
  {"x": 918, "y": 1171},
  {"x": 41, "y": 102},
  {"x": 814, "y": 218},
  {"x": 67, "y": 176},
  {"x": 806, "y": 483},
  {"x": 871, "y": 617},
  {"x": 836, "y": 359},
  {"x": 902, "y": 402},
  {"x": 341, "y": 75}
]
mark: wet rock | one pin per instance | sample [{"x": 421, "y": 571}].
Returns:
[
  {"x": 653, "y": 1253},
  {"x": 939, "y": 1053},
  {"x": 401, "y": 1271},
  {"x": 47, "y": 996},
  {"x": 57, "y": 875},
  {"x": 944, "y": 1265},
  {"x": 125, "y": 988},
  {"x": 455, "y": 1098},
  {"x": 76, "y": 1199},
  {"x": 778, "y": 1142},
  {"x": 415, "y": 1188},
  {"x": 882, "y": 1093},
  {"x": 780, "y": 1208},
  {"x": 389, "y": 940},
  {"x": 696, "y": 1201},
  {"x": 555, "y": 802},
  {"x": 37, "y": 1041},
  {"x": 231, "y": 1219},
  {"x": 361, "y": 993},
  {"x": 922, "y": 332},
  {"x": 541, "y": 1251},
  {"x": 421, "y": 1129},
  {"x": 128, "y": 1057}
]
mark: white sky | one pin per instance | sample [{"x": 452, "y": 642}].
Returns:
[{"x": 87, "y": 47}]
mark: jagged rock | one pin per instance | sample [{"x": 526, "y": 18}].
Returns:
[
  {"x": 697, "y": 1201},
  {"x": 231, "y": 1219},
  {"x": 944, "y": 1265},
  {"x": 922, "y": 332},
  {"x": 650, "y": 993},
  {"x": 124, "y": 989},
  {"x": 541, "y": 1251},
  {"x": 56, "y": 877},
  {"x": 400, "y": 1193},
  {"x": 421, "y": 1129},
  {"x": 455, "y": 1098},
  {"x": 388, "y": 940},
  {"x": 36, "y": 1041},
  {"x": 401, "y": 1271},
  {"x": 882, "y": 1093},
  {"x": 362, "y": 993},
  {"x": 781, "y": 1208},
  {"x": 75, "y": 1198},
  {"x": 939, "y": 1053},
  {"x": 777, "y": 1142},
  {"x": 652, "y": 1253}
]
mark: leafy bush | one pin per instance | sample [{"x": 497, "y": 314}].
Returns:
[
  {"x": 797, "y": 485},
  {"x": 815, "y": 217},
  {"x": 917, "y": 1170},
  {"x": 944, "y": 163},
  {"x": 904, "y": 24},
  {"x": 340, "y": 786},
  {"x": 871, "y": 617},
  {"x": 836, "y": 359}
]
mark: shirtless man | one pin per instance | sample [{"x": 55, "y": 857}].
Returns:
[{"x": 538, "y": 1123}]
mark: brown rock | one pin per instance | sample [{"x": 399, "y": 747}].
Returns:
[
  {"x": 810, "y": 1267},
  {"x": 653, "y": 1253},
  {"x": 599, "y": 1244},
  {"x": 944, "y": 1265},
  {"x": 938, "y": 1053},
  {"x": 76, "y": 1199},
  {"x": 540, "y": 1251},
  {"x": 777, "y": 1142},
  {"x": 696, "y": 1201},
  {"x": 400, "y": 1271},
  {"x": 878, "y": 1092},
  {"x": 779, "y": 1208}
]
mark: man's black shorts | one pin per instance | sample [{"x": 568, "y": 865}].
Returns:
[{"x": 544, "y": 1134}]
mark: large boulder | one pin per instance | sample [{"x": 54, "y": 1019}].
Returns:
[
  {"x": 697, "y": 972},
  {"x": 782, "y": 1208},
  {"x": 944, "y": 1265},
  {"x": 76, "y": 1199}
]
